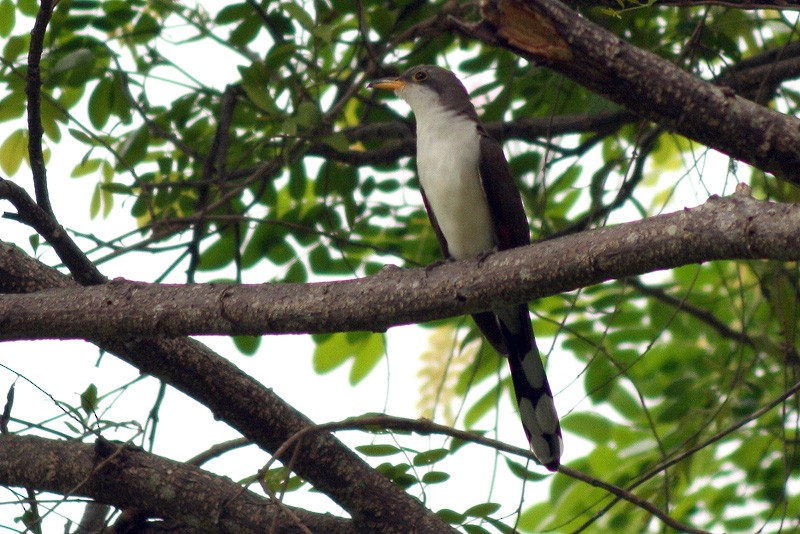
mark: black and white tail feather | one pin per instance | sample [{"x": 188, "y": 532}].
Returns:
[{"x": 534, "y": 398}]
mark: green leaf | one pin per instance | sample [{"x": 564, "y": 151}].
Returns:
[
  {"x": 219, "y": 254},
  {"x": 134, "y": 148},
  {"x": 100, "y": 103},
  {"x": 451, "y": 516},
  {"x": 89, "y": 401},
  {"x": 120, "y": 105},
  {"x": 117, "y": 188},
  {"x": 307, "y": 114},
  {"x": 256, "y": 82},
  {"x": 299, "y": 14},
  {"x": 296, "y": 274},
  {"x": 85, "y": 167},
  {"x": 107, "y": 200},
  {"x": 377, "y": 449},
  {"x": 600, "y": 375},
  {"x": 430, "y": 457},
  {"x": 588, "y": 425},
  {"x": 94, "y": 204},
  {"x": 233, "y": 13},
  {"x": 522, "y": 472},
  {"x": 13, "y": 151},
  {"x": 482, "y": 510},
  {"x": 435, "y": 477},
  {"x": 331, "y": 353},
  {"x": 145, "y": 29},
  {"x": 29, "y": 8},
  {"x": 7, "y": 17},
  {"x": 364, "y": 348},
  {"x": 77, "y": 64},
  {"x": 367, "y": 357},
  {"x": 245, "y": 32},
  {"x": 15, "y": 46},
  {"x": 474, "y": 529},
  {"x": 279, "y": 55},
  {"x": 337, "y": 141},
  {"x": 81, "y": 136},
  {"x": 481, "y": 407},
  {"x": 247, "y": 345}
]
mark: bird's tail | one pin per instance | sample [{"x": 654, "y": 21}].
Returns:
[{"x": 534, "y": 398}]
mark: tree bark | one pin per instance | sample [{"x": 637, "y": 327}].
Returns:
[
  {"x": 549, "y": 33},
  {"x": 736, "y": 227},
  {"x": 125, "y": 477},
  {"x": 374, "y": 503}
]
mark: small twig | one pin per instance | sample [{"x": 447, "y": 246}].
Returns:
[
  {"x": 153, "y": 415},
  {"x": 277, "y": 502},
  {"x": 218, "y": 450},
  {"x": 93, "y": 519},
  {"x": 32, "y": 214},
  {"x": 631, "y": 498},
  {"x": 213, "y": 169},
  {"x": 690, "y": 451},
  {"x": 34, "y": 522},
  {"x": 595, "y": 213},
  {"x": 6, "y": 417},
  {"x": 425, "y": 426},
  {"x": 703, "y": 315},
  {"x": 33, "y": 88}
]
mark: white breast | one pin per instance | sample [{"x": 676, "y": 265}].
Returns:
[{"x": 448, "y": 148}]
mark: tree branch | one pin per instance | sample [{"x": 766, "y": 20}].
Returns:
[
  {"x": 759, "y": 76},
  {"x": 33, "y": 88},
  {"x": 126, "y": 477},
  {"x": 428, "y": 427},
  {"x": 737, "y": 4},
  {"x": 399, "y": 139},
  {"x": 256, "y": 412},
  {"x": 32, "y": 214},
  {"x": 549, "y": 33},
  {"x": 737, "y": 227}
]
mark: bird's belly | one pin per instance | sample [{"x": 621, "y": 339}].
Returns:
[{"x": 452, "y": 185}]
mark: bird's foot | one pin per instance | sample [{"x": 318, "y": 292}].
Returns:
[
  {"x": 437, "y": 263},
  {"x": 485, "y": 254}
]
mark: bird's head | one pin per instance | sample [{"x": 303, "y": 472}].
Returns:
[{"x": 427, "y": 86}]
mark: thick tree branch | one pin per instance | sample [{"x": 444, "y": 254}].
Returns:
[
  {"x": 738, "y": 4},
  {"x": 125, "y": 477},
  {"x": 255, "y": 411},
  {"x": 759, "y": 76},
  {"x": 548, "y": 32},
  {"x": 737, "y": 227}
]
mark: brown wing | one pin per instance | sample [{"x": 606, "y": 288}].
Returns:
[
  {"x": 505, "y": 202},
  {"x": 435, "y": 224}
]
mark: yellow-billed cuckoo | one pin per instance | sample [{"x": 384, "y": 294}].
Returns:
[{"x": 475, "y": 207}]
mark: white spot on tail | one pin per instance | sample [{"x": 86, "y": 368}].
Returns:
[
  {"x": 539, "y": 445},
  {"x": 546, "y": 414},
  {"x": 533, "y": 369}
]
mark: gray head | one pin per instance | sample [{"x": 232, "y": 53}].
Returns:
[{"x": 424, "y": 86}]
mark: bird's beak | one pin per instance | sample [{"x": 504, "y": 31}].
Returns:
[{"x": 387, "y": 83}]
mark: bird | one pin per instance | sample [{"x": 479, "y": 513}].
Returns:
[{"x": 476, "y": 208}]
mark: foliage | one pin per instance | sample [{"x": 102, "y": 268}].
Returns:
[{"x": 274, "y": 169}]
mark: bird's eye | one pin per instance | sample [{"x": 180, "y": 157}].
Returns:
[{"x": 420, "y": 76}]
